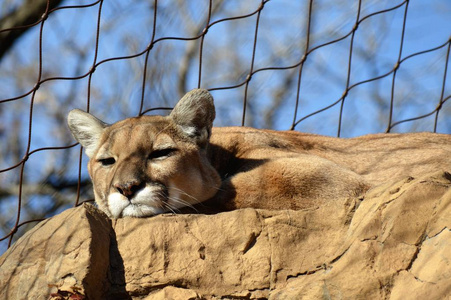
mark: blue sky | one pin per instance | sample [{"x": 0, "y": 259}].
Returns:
[{"x": 324, "y": 75}]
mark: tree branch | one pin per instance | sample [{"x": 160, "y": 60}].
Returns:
[{"x": 28, "y": 13}]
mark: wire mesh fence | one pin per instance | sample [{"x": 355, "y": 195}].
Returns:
[{"x": 341, "y": 68}]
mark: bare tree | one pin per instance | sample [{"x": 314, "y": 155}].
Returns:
[{"x": 19, "y": 19}]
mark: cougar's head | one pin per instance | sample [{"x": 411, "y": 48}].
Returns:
[{"x": 150, "y": 164}]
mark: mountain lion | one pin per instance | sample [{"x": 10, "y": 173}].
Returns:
[{"x": 154, "y": 164}]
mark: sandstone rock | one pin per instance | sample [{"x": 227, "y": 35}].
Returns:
[
  {"x": 67, "y": 253},
  {"x": 173, "y": 293},
  {"x": 391, "y": 247},
  {"x": 395, "y": 243}
]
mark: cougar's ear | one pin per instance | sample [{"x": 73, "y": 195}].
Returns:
[
  {"x": 194, "y": 114},
  {"x": 86, "y": 129}
]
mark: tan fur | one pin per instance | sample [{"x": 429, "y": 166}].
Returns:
[
  {"x": 239, "y": 167},
  {"x": 295, "y": 170}
]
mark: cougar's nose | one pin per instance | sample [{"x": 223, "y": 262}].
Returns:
[{"x": 129, "y": 188}]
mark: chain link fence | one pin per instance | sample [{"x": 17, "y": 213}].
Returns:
[{"x": 342, "y": 68}]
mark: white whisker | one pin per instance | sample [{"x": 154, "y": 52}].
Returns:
[
  {"x": 167, "y": 206},
  {"x": 184, "y": 193},
  {"x": 182, "y": 202}
]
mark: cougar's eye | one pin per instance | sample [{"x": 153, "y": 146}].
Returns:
[
  {"x": 107, "y": 161},
  {"x": 162, "y": 153}
]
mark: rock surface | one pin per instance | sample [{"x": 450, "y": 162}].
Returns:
[
  {"x": 394, "y": 243},
  {"x": 68, "y": 252}
]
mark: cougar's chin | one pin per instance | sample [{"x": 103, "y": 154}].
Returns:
[{"x": 145, "y": 203}]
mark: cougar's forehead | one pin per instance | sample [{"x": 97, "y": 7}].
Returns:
[{"x": 136, "y": 134}]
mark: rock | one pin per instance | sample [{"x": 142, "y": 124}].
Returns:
[
  {"x": 173, "y": 293},
  {"x": 394, "y": 243},
  {"x": 389, "y": 250},
  {"x": 67, "y": 253}
]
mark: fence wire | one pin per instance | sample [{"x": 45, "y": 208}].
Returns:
[{"x": 240, "y": 52}]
